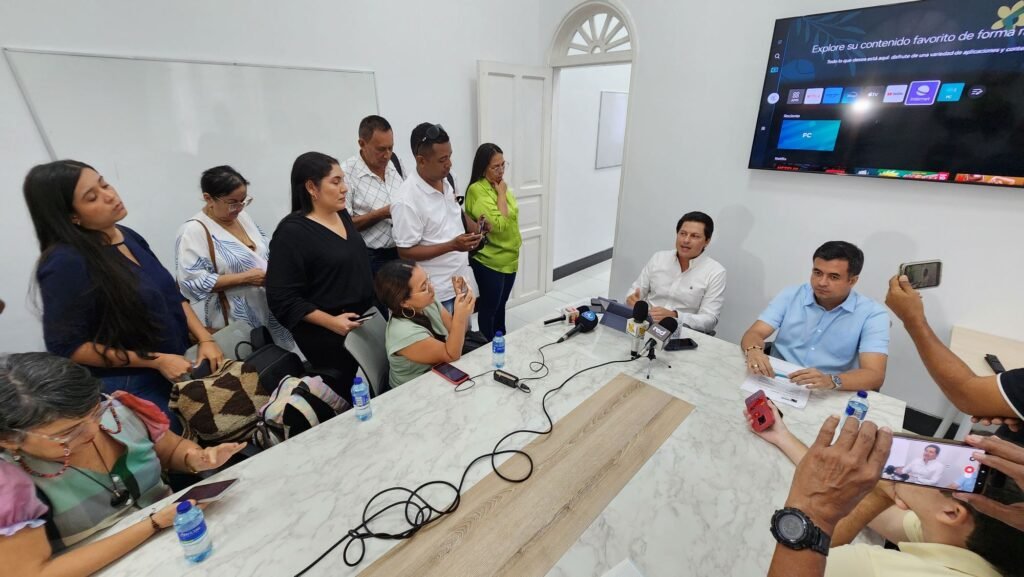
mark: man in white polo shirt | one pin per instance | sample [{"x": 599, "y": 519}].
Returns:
[
  {"x": 429, "y": 225},
  {"x": 372, "y": 182}
]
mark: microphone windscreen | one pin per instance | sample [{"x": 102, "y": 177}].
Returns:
[
  {"x": 670, "y": 324},
  {"x": 640, "y": 310},
  {"x": 587, "y": 321}
]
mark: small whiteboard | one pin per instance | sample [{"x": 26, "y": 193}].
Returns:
[
  {"x": 151, "y": 127},
  {"x": 611, "y": 129}
]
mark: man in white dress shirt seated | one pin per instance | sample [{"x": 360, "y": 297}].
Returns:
[
  {"x": 684, "y": 283},
  {"x": 924, "y": 470}
]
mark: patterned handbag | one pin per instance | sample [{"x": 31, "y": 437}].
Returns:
[{"x": 221, "y": 408}]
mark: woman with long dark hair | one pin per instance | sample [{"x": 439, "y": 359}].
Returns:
[
  {"x": 221, "y": 257},
  {"x": 419, "y": 333},
  {"x": 318, "y": 279},
  {"x": 108, "y": 303},
  {"x": 494, "y": 265},
  {"x": 74, "y": 462}
]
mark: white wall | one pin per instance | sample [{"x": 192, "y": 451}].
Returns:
[
  {"x": 585, "y": 198},
  {"x": 424, "y": 55},
  {"x": 693, "y": 103}
]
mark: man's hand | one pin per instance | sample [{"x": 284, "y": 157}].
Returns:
[
  {"x": 759, "y": 364},
  {"x": 658, "y": 313},
  {"x": 832, "y": 478},
  {"x": 1012, "y": 423},
  {"x": 812, "y": 379},
  {"x": 904, "y": 301},
  {"x": 1002, "y": 456},
  {"x": 466, "y": 242},
  {"x": 632, "y": 298}
]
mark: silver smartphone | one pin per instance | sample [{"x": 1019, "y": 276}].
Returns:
[{"x": 923, "y": 274}]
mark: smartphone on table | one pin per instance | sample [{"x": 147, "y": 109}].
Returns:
[
  {"x": 450, "y": 373},
  {"x": 923, "y": 274},
  {"x": 681, "y": 345},
  {"x": 207, "y": 493},
  {"x": 939, "y": 463}
]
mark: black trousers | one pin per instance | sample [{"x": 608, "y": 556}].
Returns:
[{"x": 325, "y": 349}]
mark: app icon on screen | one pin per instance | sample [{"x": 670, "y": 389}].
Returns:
[
  {"x": 873, "y": 92},
  {"x": 773, "y": 98},
  {"x": 851, "y": 95},
  {"x": 796, "y": 96},
  {"x": 977, "y": 91},
  {"x": 951, "y": 92},
  {"x": 833, "y": 95},
  {"x": 817, "y": 135},
  {"x": 813, "y": 95},
  {"x": 922, "y": 92},
  {"x": 895, "y": 93},
  {"x": 773, "y": 70}
]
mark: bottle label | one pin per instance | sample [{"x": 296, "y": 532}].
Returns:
[
  {"x": 194, "y": 533},
  {"x": 499, "y": 348},
  {"x": 361, "y": 400}
]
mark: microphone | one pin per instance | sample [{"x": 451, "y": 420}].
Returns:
[
  {"x": 584, "y": 324},
  {"x": 569, "y": 316},
  {"x": 660, "y": 333},
  {"x": 637, "y": 327}
]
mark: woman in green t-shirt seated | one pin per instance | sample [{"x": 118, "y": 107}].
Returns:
[
  {"x": 419, "y": 332},
  {"x": 494, "y": 265}
]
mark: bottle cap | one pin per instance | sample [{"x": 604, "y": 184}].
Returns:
[
  {"x": 498, "y": 334},
  {"x": 862, "y": 394},
  {"x": 357, "y": 381},
  {"x": 184, "y": 507}
]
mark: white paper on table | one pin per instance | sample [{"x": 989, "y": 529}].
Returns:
[
  {"x": 779, "y": 389},
  {"x": 624, "y": 569}
]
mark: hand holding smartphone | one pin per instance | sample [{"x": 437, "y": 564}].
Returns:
[
  {"x": 923, "y": 274},
  {"x": 459, "y": 284},
  {"x": 938, "y": 463}
]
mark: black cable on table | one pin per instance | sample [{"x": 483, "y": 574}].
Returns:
[{"x": 419, "y": 512}]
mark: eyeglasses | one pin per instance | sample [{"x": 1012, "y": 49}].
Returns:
[
  {"x": 94, "y": 417},
  {"x": 503, "y": 166},
  {"x": 236, "y": 205},
  {"x": 433, "y": 133}
]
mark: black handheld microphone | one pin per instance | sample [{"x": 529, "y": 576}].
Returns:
[
  {"x": 637, "y": 326},
  {"x": 660, "y": 333},
  {"x": 584, "y": 324}
]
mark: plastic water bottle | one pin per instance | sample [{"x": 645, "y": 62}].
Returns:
[
  {"x": 361, "y": 399},
  {"x": 190, "y": 525},
  {"x": 857, "y": 407},
  {"x": 498, "y": 350}
]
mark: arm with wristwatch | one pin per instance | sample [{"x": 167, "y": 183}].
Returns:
[{"x": 830, "y": 480}]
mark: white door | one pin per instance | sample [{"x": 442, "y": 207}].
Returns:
[{"x": 514, "y": 104}]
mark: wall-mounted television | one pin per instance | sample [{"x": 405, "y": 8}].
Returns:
[{"x": 930, "y": 90}]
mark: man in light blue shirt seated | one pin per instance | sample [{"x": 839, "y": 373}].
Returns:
[{"x": 838, "y": 334}]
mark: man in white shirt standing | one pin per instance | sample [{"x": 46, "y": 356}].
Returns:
[
  {"x": 372, "y": 182},
  {"x": 684, "y": 283},
  {"x": 429, "y": 225},
  {"x": 925, "y": 470}
]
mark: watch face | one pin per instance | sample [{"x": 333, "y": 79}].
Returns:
[{"x": 792, "y": 527}]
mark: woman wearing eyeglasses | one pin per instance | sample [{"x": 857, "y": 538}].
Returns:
[
  {"x": 226, "y": 284},
  {"x": 496, "y": 263},
  {"x": 108, "y": 302},
  {"x": 74, "y": 462}
]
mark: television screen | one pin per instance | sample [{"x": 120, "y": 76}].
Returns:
[{"x": 929, "y": 90}]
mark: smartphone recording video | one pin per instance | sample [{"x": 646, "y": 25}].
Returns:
[
  {"x": 935, "y": 463},
  {"x": 922, "y": 275}
]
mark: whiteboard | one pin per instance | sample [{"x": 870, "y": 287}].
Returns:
[
  {"x": 611, "y": 129},
  {"x": 151, "y": 127}
]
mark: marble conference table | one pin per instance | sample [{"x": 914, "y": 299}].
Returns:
[{"x": 700, "y": 505}]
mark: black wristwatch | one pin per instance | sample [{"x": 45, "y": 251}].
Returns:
[{"x": 795, "y": 530}]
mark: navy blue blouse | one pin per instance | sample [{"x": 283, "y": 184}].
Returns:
[{"x": 71, "y": 315}]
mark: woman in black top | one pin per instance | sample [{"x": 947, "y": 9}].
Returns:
[{"x": 318, "y": 278}]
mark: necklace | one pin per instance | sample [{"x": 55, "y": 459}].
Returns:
[{"x": 118, "y": 498}]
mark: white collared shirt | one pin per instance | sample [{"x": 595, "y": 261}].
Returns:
[
  {"x": 696, "y": 295},
  {"x": 924, "y": 472},
  {"x": 424, "y": 216},
  {"x": 367, "y": 193}
]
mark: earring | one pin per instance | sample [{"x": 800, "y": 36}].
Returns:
[{"x": 408, "y": 316}]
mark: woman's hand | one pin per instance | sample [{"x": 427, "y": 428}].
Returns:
[
  {"x": 211, "y": 457},
  {"x": 465, "y": 303},
  {"x": 254, "y": 277},
  {"x": 210, "y": 350},
  {"x": 775, "y": 434},
  {"x": 501, "y": 187},
  {"x": 172, "y": 367},
  {"x": 165, "y": 517},
  {"x": 345, "y": 323}
]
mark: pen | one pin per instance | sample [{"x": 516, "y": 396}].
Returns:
[{"x": 781, "y": 375}]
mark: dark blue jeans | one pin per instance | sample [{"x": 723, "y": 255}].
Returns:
[
  {"x": 149, "y": 385},
  {"x": 495, "y": 288}
]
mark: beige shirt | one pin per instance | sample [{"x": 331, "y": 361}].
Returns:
[{"x": 914, "y": 559}]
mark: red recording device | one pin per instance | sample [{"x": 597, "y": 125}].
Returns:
[{"x": 760, "y": 411}]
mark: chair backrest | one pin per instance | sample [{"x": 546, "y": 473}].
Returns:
[
  {"x": 366, "y": 345},
  {"x": 226, "y": 338}
]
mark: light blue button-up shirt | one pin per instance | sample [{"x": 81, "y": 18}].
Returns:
[{"x": 810, "y": 336}]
